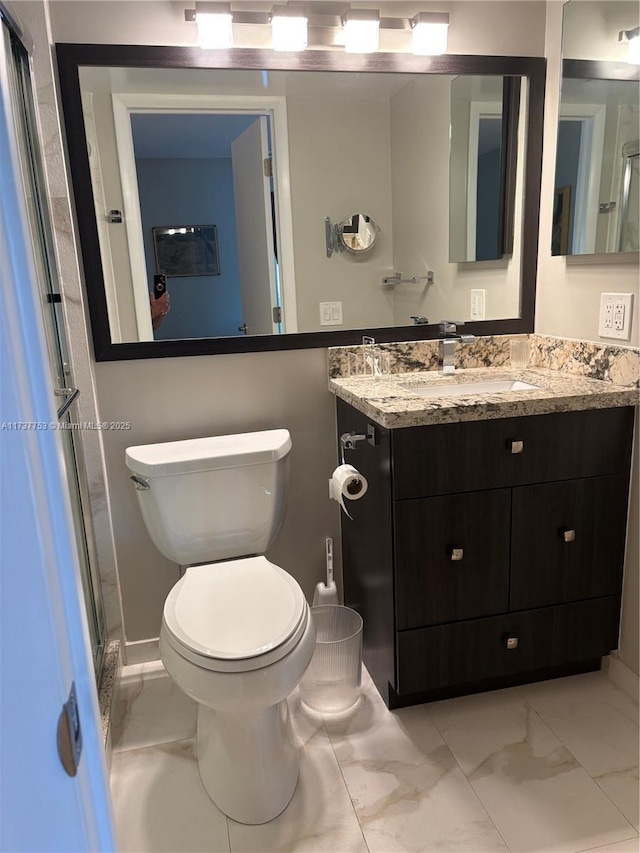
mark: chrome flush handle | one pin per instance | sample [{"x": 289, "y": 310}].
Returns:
[{"x": 141, "y": 484}]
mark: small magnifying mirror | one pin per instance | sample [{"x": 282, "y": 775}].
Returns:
[{"x": 357, "y": 233}]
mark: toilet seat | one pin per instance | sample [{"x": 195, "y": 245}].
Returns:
[{"x": 235, "y": 615}]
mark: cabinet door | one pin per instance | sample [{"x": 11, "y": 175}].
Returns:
[
  {"x": 567, "y": 541},
  {"x": 451, "y": 557}
]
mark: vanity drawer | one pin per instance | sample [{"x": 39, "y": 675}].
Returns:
[
  {"x": 567, "y": 541},
  {"x": 468, "y": 652},
  {"x": 449, "y": 458},
  {"x": 451, "y": 557}
]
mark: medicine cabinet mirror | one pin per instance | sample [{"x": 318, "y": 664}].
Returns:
[
  {"x": 597, "y": 183},
  {"x": 267, "y": 149}
]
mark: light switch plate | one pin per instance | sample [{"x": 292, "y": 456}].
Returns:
[
  {"x": 331, "y": 313},
  {"x": 477, "y": 304},
  {"x": 615, "y": 316}
]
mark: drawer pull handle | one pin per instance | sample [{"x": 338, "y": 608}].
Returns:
[
  {"x": 568, "y": 535},
  {"x": 512, "y": 643},
  {"x": 515, "y": 446},
  {"x": 457, "y": 554}
]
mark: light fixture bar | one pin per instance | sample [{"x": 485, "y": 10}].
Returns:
[
  {"x": 289, "y": 28},
  {"x": 361, "y": 30},
  {"x": 430, "y": 33},
  {"x": 294, "y": 26}
]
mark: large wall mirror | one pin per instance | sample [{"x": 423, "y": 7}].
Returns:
[
  {"x": 300, "y": 200},
  {"x": 597, "y": 184}
]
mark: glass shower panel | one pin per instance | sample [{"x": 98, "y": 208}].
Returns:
[{"x": 33, "y": 180}]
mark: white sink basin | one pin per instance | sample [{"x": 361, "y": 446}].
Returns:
[{"x": 465, "y": 389}]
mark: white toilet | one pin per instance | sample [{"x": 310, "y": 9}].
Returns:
[{"x": 236, "y": 633}]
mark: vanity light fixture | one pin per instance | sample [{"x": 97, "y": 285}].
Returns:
[
  {"x": 214, "y": 25},
  {"x": 294, "y": 25},
  {"x": 632, "y": 39},
  {"x": 429, "y": 33},
  {"x": 361, "y": 30},
  {"x": 289, "y": 27}
]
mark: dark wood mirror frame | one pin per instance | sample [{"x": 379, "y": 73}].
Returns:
[{"x": 71, "y": 57}]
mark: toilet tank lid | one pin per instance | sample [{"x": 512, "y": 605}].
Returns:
[{"x": 208, "y": 454}]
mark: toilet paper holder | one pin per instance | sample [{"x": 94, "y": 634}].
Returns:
[{"x": 349, "y": 440}]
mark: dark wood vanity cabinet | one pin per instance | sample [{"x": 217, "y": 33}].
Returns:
[{"x": 487, "y": 553}]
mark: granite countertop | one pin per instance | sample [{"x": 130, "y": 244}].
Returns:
[{"x": 391, "y": 401}]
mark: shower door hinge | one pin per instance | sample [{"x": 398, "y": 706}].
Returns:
[
  {"x": 277, "y": 314},
  {"x": 268, "y": 167},
  {"x": 69, "y": 734}
]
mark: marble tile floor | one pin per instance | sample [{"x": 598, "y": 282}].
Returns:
[{"x": 546, "y": 767}]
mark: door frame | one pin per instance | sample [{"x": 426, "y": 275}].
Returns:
[
  {"x": 587, "y": 202},
  {"x": 124, "y": 104}
]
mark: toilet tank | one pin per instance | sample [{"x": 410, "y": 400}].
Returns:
[{"x": 208, "y": 499}]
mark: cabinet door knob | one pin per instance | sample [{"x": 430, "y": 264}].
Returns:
[
  {"x": 515, "y": 446},
  {"x": 457, "y": 554},
  {"x": 512, "y": 642},
  {"x": 568, "y": 535}
]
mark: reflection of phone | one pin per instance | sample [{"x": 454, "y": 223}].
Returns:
[{"x": 159, "y": 285}]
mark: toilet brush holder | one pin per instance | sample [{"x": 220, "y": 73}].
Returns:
[{"x": 325, "y": 594}]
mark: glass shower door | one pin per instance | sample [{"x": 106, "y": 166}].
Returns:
[
  {"x": 16, "y": 88},
  {"x": 630, "y": 205}
]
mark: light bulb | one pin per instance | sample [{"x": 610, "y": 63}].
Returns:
[
  {"x": 214, "y": 25},
  {"x": 361, "y": 31},
  {"x": 430, "y": 33},
  {"x": 288, "y": 28}
]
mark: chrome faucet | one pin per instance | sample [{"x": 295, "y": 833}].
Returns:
[{"x": 448, "y": 328}]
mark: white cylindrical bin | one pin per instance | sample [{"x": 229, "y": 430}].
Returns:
[{"x": 332, "y": 682}]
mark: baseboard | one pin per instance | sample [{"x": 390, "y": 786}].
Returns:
[
  {"x": 623, "y": 677},
  {"x": 142, "y": 651}
]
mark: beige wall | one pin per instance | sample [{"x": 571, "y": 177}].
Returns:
[
  {"x": 591, "y": 28},
  {"x": 339, "y": 164},
  {"x": 567, "y": 304}
]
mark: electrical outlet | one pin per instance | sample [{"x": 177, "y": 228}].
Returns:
[
  {"x": 331, "y": 313},
  {"x": 615, "y": 316},
  {"x": 477, "y": 304}
]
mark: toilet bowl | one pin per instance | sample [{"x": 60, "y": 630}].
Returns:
[
  {"x": 237, "y": 634},
  {"x": 237, "y": 637}
]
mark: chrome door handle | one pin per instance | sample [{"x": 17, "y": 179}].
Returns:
[{"x": 74, "y": 393}]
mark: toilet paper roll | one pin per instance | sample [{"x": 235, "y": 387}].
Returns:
[{"x": 347, "y": 482}]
